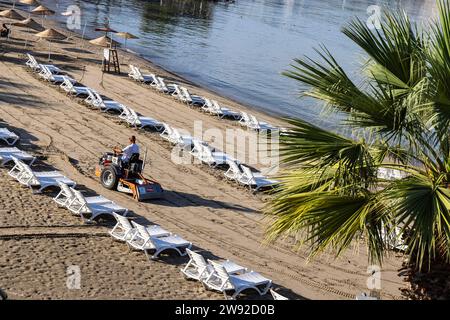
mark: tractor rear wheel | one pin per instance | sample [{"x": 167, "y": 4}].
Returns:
[{"x": 109, "y": 178}]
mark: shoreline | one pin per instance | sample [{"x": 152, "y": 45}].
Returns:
[{"x": 160, "y": 70}]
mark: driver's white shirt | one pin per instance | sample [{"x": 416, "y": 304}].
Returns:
[{"x": 128, "y": 151}]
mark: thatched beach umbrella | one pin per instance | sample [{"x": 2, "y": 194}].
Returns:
[
  {"x": 126, "y": 36},
  {"x": 43, "y": 11},
  {"x": 50, "y": 34},
  {"x": 11, "y": 14},
  {"x": 30, "y": 24},
  {"x": 30, "y": 3},
  {"x": 104, "y": 41}
]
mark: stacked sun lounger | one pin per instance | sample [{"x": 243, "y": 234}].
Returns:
[
  {"x": 40, "y": 180},
  {"x": 249, "y": 121},
  {"x": 205, "y": 154},
  {"x": 152, "y": 240},
  {"x": 176, "y": 138},
  {"x": 89, "y": 208},
  {"x": 224, "y": 276},
  {"x": 243, "y": 175}
]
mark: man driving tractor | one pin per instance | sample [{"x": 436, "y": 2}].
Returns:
[
  {"x": 122, "y": 171},
  {"x": 128, "y": 151}
]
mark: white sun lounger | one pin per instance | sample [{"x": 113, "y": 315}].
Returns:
[
  {"x": 207, "y": 106},
  {"x": 245, "y": 119},
  {"x": 82, "y": 205},
  {"x": 390, "y": 174},
  {"x": 222, "y": 112},
  {"x": 34, "y": 65},
  {"x": 6, "y": 155},
  {"x": 126, "y": 113},
  {"x": 9, "y": 137},
  {"x": 133, "y": 74},
  {"x": 167, "y": 133},
  {"x": 154, "y": 230},
  {"x": 394, "y": 239},
  {"x": 198, "y": 269},
  {"x": 206, "y": 155},
  {"x": 233, "y": 172},
  {"x": 193, "y": 100},
  {"x": 137, "y": 75},
  {"x": 143, "y": 240},
  {"x": 180, "y": 140},
  {"x": 174, "y": 136},
  {"x": 94, "y": 99},
  {"x": 72, "y": 90},
  {"x": 46, "y": 74},
  {"x": 66, "y": 197},
  {"x": 365, "y": 296},
  {"x": 277, "y": 296},
  {"x": 162, "y": 87},
  {"x": 23, "y": 173},
  {"x": 255, "y": 179},
  {"x": 177, "y": 92},
  {"x": 123, "y": 230},
  {"x": 141, "y": 122},
  {"x": 257, "y": 125},
  {"x": 222, "y": 281}
]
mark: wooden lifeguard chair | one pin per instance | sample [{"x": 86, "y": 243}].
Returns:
[{"x": 110, "y": 61}]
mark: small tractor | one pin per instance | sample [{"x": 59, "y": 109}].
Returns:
[{"x": 127, "y": 178}]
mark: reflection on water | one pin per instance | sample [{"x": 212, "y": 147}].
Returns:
[{"x": 239, "y": 49}]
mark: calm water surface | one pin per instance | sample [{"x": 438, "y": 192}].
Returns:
[{"x": 238, "y": 49}]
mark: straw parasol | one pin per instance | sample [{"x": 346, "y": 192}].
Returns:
[
  {"x": 11, "y": 14},
  {"x": 43, "y": 11},
  {"x": 126, "y": 36},
  {"x": 29, "y": 23},
  {"x": 29, "y": 2},
  {"x": 104, "y": 41},
  {"x": 50, "y": 34}
]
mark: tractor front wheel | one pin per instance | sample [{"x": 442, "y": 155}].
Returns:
[{"x": 109, "y": 178}]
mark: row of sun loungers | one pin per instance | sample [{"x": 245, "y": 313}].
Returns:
[
  {"x": 35, "y": 66},
  {"x": 214, "y": 158},
  {"x": 209, "y": 106},
  {"x": 40, "y": 180},
  {"x": 152, "y": 239},
  {"x": 198, "y": 149},
  {"x": 223, "y": 277}
]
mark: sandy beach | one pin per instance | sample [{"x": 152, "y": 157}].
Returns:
[{"x": 38, "y": 240}]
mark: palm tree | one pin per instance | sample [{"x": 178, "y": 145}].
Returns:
[{"x": 396, "y": 118}]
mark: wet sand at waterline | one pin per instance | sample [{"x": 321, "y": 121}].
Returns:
[{"x": 38, "y": 240}]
